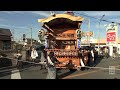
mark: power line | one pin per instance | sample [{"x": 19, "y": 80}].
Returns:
[{"x": 97, "y": 18}]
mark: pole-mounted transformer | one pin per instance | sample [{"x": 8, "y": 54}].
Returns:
[{"x": 24, "y": 37}]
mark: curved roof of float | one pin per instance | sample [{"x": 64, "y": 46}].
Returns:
[{"x": 71, "y": 17}]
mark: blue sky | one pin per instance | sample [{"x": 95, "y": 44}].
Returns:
[{"x": 21, "y": 21}]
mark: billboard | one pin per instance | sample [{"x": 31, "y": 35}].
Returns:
[
  {"x": 111, "y": 36},
  {"x": 89, "y": 33}
]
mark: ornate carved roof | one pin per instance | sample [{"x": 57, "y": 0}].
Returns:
[{"x": 67, "y": 16}]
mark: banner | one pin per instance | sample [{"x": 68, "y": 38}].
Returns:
[
  {"x": 111, "y": 36},
  {"x": 46, "y": 43},
  {"x": 78, "y": 43}
]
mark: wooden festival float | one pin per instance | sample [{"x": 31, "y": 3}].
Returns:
[{"x": 63, "y": 38}]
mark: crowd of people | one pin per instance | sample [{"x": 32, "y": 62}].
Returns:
[
  {"x": 90, "y": 54},
  {"x": 48, "y": 61}
]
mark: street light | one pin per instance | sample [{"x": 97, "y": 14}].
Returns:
[{"x": 99, "y": 35}]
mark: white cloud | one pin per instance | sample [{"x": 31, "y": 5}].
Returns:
[
  {"x": 10, "y": 26},
  {"x": 100, "y": 13},
  {"x": 42, "y": 13},
  {"x": 9, "y": 12},
  {"x": 13, "y": 12},
  {"x": 116, "y": 19},
  {"x": 26, "y": 28},
  {"x": 5, "y": 25},
  {"x": 1, "y": 19},
  {"x": 19, "y": 12},
  {"x": 89, "y": 13}
]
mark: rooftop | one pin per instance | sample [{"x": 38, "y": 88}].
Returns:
[{"x": 5, "y": 32}]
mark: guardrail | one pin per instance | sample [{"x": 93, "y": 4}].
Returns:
[{"x": 6, "y": 51}]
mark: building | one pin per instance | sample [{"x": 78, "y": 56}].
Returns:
[
  {"x": 102, "y": 43},
  {"x": 5, "y": 39},
  {"x": 28, "y": 43}
]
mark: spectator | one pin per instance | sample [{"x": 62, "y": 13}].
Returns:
[
  {"x": 95, "y": 57},
  {"x": 106, "y": 52},
  {"x": 18, "y": 56},
  {"x": 114, "y": 52},
  {"x": 28, "y": 53},
  {"x": 34, "y": 54}
]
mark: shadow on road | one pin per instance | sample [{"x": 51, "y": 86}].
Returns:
[
  {"x": 98, "y": 60},
  {"x": 64, "y": 74},
  {"x": 7, "y": 71}
]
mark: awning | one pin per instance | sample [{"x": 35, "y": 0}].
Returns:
[{"x": 71, "y": 17}]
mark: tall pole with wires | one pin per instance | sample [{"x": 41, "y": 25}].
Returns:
[
  {"x": 13, "y": 36},
  {"x": 99, "y": 35},
  {"x": 31, "y": 35},
  {"x": 89, "y": 31}
]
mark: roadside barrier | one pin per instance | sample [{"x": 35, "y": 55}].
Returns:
[{"x": 8, "y": 68}]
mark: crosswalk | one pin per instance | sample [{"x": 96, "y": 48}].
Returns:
[
  {"x": 15, "y": 74},
  {"x": 33, "y": 72}
]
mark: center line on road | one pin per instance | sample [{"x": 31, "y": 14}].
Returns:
[
  {"x": 15, "y": 74},
  {"x": 68, "y": 77},
  {"x": 76, "y": 75}
]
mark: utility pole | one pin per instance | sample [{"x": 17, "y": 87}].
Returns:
[
  {"x": 117, "y": 36},
  {"x": 89, "y": 31},
  {"x": 13, "y": 33},
  {"x": 99, "y": 34},
  {"x": 31, "y": 36}
]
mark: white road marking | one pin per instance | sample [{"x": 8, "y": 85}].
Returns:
[{"x": 15, "y": 74}]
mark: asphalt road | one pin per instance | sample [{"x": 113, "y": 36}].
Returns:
[{"x": 34, "y": 72}]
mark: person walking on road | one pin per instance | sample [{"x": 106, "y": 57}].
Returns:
[
  {"x": 51, "y": 61},
  {"x": 43, "y": 58},
  {"x": 91, "y": 57}
]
